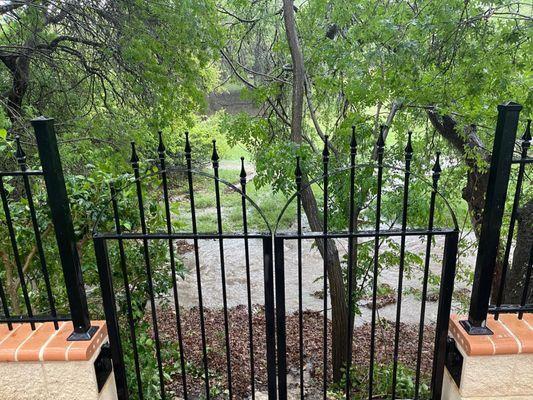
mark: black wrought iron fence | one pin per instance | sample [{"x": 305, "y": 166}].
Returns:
[
  {"x": 522, "y": 196},
  {"x": 265, "y": 331},
  {"x": 24, "y": 174},
  {"x": 58, "y": 205}
]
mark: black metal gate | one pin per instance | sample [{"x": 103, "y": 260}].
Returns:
[{"x": 274, "y": 272}]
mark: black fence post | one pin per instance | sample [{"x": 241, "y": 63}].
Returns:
[
  {"x": 500, "y": 168},
  {"x": 281, "y": 330},
  {"x": 449, "y": 264},
  {"x": 268, "y": 269},
  {"x": 110, "y": 310},
  {"x": 64, "y": 229}
]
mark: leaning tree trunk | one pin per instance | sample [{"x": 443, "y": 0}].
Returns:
[
  {"x": 338, "y": 304},
  {"x": 516, "y": 277},
  {"x": 474, "y": 195},
  {"x": 19, "y": 68}
]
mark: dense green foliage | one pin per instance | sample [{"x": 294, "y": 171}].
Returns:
[{"x": 405, "y": 64}]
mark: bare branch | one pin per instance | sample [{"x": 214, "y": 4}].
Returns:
[{"x": 12, "y": 6}]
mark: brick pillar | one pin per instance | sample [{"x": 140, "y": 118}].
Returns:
[
  {"x": 491, "y": 367},
  {"x": 42, "y": 364}
]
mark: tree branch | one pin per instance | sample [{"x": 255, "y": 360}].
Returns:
[
  {"x": 395, "y": 107},
  {"x": 315, "y": 119},
  {"x": 6, "y": 8}
]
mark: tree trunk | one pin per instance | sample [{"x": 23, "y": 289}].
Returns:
[
  {"x": 477, "y": 180},
  {"x": 19, "y": 67},
  {"x": 339, "y": 312},
  {"x": 516, "y": 277},
  {"x": 474, "y": 195}
]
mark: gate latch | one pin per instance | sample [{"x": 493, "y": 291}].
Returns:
[
  {"x": 454, "y": 360},
  {"x": 103, "y": 366}
]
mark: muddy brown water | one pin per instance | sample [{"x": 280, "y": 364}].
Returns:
[{"x": 312, "y": 272}]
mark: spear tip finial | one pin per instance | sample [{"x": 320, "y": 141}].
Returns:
[
  {"x": 409, "y": 146},
  {"x": 243, "y": 171},
  {"x": 161, "y": 147},
  {"x": 214, "y": 155},
  {"x": 134, "y": 157},
  {"x": 112, "y": 188},
  {"x": 353, "y": 141},
  {"x": 187, "y": 143},
  {"x": 437, "y": 168},
  {"x": 325, "y": 152},
  {"x": 381, "y": 137},
  {"x": 298, "y": 171},
  {"x": 20, "y": 155}
]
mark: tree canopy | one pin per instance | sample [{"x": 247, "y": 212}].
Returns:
[{"x": 106, "y": 69}]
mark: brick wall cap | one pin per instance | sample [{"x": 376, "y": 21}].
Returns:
[
  {"x": 511, "y": 336},
  {"x": 45, "y": 343}
]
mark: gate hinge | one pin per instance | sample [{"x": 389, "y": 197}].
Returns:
[
  {"x": 454, "y": 360},
  {"x": 103, "y": 366}
]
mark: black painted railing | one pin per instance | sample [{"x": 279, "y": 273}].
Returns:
[{"x": 58, "y": 205}]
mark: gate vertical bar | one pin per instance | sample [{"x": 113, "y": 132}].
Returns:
[
  {"x": 134, "y": 161},
  {"x": 268, "y": 270},
  {"x": 127, "y": 290},
  {"x": 380, "y": 146},
  {"x": 436, "y": 176},
  {"x": 405, "y": 205},
  {"x": 500, "y": 168},
  {"x": 325, "y": 161},
  {"x": 188, "y": 158},
  {"x": 242, "y": 176},
  {"x": 280, "y": 316},
  {"x": 443, "y": 314},
  {"x": 161, "y": 150},
  {"x": 214, "y": 159},
  {"x": 64, "y": 229},
  {"x": 108, "y": 299},
  {"x": 298, "y": 174},
  {"x": 352, "y": 226}
]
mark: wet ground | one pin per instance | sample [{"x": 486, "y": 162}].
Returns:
[{"x": 312, "y": 272}]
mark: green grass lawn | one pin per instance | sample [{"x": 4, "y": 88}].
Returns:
[{"x": 270, "y": 204}]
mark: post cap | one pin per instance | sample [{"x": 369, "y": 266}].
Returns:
[
  {"x": 42, "y": 121},
  {"x": 510, "y": 106}
]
